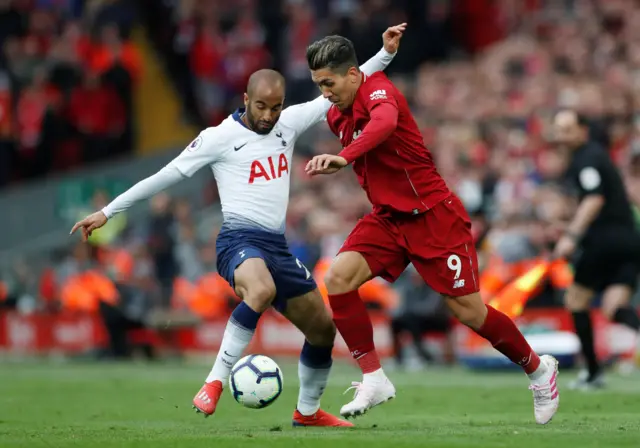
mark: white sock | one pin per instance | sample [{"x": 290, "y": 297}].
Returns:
[
  {"x": 234, "y": 342},
  {"x": 312, "y": 385},
  {"x": 377, "y": 376},
  {"x": 540, "y": 374}
]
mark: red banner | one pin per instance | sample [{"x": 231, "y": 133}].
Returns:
[{"x": 46, "y": 333}]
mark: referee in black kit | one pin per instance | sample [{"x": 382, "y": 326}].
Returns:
[{"x": 600, "y": 240}]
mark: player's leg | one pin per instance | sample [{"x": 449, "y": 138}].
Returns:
[
  {"x": 577, "y": 300},
  {"x": 615, "y": 306},
  {"x": 370, "y": 250},
  {"x": 617, "y": 296},
  {"x": 310, "y": 315},
  {"x": 447, "y": 261},
  {"x": 616, "y": 300},
  {"x": 255, "y": 286},
  {"x": 590, "y": 276},
  {"x": 346, "y": 274},
  {"x": 504, "y": 335}
]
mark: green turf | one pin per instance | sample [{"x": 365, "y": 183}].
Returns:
[{"x": 123, "y": 406}]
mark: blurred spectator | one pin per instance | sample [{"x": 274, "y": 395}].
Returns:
[
  {"x": 18, "y": 289},
  {"x": 37, "y": 98},
  {"x": 161, "y": 245},
  {"x": 112, "y": 51},
  {"x": 421, "y": 311},
  {"x": 97, "y": 112}
]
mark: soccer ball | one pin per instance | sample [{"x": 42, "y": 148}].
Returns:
[{"x": 255, "y": 381}]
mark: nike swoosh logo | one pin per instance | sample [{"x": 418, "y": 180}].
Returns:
[
  {"x": 225, "y": 352},
  {"x": 238, "y": 148}
]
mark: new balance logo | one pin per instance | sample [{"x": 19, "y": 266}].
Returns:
[
  {"x": 204, "y": 397},
  {"x": 378, "y": 95},
  {"x": 458, "y": 284}
]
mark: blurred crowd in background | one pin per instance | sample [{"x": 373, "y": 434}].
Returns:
[
  {"x": 67, "y": 71},
  {"x": 483, "y": 78}
]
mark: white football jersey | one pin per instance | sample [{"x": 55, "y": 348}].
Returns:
[{"x": 252, "y": 170}]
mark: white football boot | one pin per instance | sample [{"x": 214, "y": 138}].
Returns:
[
  {"x": 546, "y": 397},
  {"x": 374, "y": 390}
]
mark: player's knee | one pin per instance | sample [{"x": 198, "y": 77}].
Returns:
[
  {"x": 338, "y": 281},
  {"x": 347, "y": 273},
  {"x": 471, "y": 318},
  {"x": 322, "y": 334},
  {"x": 577, "y": 298},
  {"x": 614, "y": 298},
  {"x": 260, "y": 295},
  {"x": 335, "y": 281}
]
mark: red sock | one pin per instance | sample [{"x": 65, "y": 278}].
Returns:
[
  {"x": 507, "y": 339},
  {"x": 353, "y": 323}
]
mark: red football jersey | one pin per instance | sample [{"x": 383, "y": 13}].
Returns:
[{"x": 398, "y": 174}]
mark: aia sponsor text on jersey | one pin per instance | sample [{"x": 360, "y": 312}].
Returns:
[{"x": 269, "y": 169}]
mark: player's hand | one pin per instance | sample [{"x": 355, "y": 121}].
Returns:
[
  {"x": 565, "y": 247},
  {"x": 391, "y": 37},
  {"x": 89, "y": 224},
  {"x": 325, "y": 164}
]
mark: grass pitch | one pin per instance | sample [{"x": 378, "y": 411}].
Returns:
[{"x": 136, "y": 405}]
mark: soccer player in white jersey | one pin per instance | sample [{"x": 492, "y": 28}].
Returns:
[{"x": 250, "y": 155}]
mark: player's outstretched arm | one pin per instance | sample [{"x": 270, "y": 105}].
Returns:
[
  {"x": 390, "y": 44},
  {"x": 144, "y": 189},
  {"x": 306, "y": 115},
  {"x": 198, "y": 154}
]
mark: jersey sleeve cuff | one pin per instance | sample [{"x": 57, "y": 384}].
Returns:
[
  {"x": 345, "y": 155},
  {"x": 385, "y": 54},
  {"x": 107, "y": 212}
]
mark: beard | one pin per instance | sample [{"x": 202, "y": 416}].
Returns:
[{"x": 259, "y": 126}]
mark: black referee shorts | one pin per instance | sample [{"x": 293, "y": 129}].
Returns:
[{"x": 608, "y": 257}]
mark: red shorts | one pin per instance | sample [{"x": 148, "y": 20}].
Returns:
[{"x": 438, "y": 243}]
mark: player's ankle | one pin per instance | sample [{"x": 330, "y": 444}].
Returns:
[
  {"x": 369, "y": 362},
  {"x": 308, "y": 409},
  {"x": 540, "y": 374},
  {"x": 376, "y": 376},
  {"x": 210, "y": 379}
]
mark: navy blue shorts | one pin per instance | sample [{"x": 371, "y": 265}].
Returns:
[{"x": 291, "y": 277}]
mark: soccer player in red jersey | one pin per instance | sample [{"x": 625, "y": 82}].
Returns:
[{"x": 415, "y": 219}]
